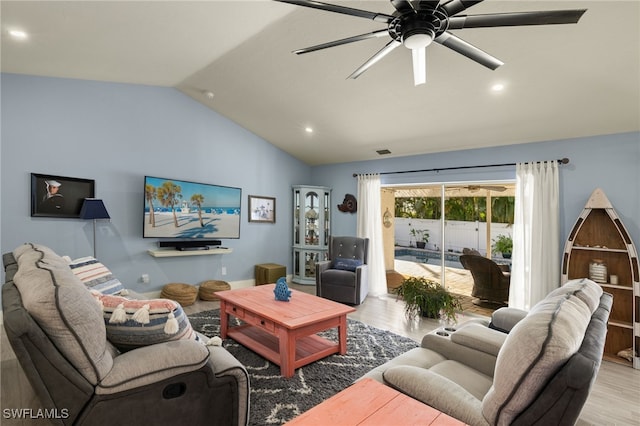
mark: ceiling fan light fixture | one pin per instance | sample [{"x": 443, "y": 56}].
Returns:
[
  {"x": 418, "y": 40},
  {"x": 419, "y": 66}
]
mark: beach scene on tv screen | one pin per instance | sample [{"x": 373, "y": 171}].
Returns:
[{"x": 182, "y": 209}]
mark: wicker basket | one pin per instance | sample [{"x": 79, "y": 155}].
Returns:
[
  {"x": 185, "y": 294},
  {"x": 208, "y": 289}
]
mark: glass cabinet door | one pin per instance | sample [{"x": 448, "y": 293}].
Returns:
[
  {"x": 296, "y": 216},
  {"x": 311, "y": 219},
  {"x": 311, "y": 236}
]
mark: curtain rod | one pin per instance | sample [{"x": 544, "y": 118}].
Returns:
[{"x": 561, "y": 161}]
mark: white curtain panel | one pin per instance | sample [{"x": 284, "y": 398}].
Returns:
[
  {"x": 536, "y": 255},
  {"x": 370, "y": 226}
]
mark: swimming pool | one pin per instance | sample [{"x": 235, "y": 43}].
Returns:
[{"x": 451, "y": 260}]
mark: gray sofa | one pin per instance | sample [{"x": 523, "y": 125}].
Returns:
[
  {"x": 539, "y": 373},
  {"x": 58, "y": 334}
]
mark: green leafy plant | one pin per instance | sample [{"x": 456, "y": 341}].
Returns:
[
  {"x": 428, "y": 298},
  {"x": 421, "y": 236},
  {"x": 503, "y": 244}
]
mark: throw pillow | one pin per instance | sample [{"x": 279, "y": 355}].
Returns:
[
  {"x": 134, "y": 323},
  {"x": 96, "y": 276},
  {"x": 346, "y": 264}
]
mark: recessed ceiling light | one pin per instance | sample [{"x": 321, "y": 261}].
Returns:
[
  {"x": 498, "y": 87},
  {"x": 208, "y": 94},
  {"x": 308, "y": 129},
  {"x": 18, "y": 34}
]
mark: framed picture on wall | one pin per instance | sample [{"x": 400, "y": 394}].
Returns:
[
  {"x": 262, "y": 209},
  {"x": 59, "y": 196}
]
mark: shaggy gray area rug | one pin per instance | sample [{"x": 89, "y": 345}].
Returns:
[{"x": 275, "y": 399}]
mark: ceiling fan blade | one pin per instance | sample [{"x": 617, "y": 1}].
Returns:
[
  {"x": 379, "y": 17},
  {"x": 470, "y": 51},
  {"x": 496, "y": 188},
  {"x": 456, "y": 6},
  {"x": 375, "y": 58},
  {"x": 380, "y": 33},
  {"x": 403, "y": 6},
  {"x": 547, "y": 17},
  {"x": 427, "y": 4}
]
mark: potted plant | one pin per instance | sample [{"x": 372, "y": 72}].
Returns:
[
  {"x": 504, "y": 245},
  {"x": 421, "y": 236},
  {"x": 429, "y": 299}
]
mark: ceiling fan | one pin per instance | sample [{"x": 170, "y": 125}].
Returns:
[
  {"x": 496, "y": 188},
  {"x": 415, "y": 24}
]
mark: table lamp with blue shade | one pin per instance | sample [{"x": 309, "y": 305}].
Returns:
[{"x": 93, "y": 209}]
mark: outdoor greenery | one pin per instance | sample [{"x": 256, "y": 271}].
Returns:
[
  {"x": 420, "y": 235},
  {"x": 503, "y": 244},
  {"x": 468, "y": 209},
  {"x": 428, "y": 298}
]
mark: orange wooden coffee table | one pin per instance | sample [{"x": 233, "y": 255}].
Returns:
[
  {"x": 283, "y": 332},
  {"x": 368, "y": 402}
]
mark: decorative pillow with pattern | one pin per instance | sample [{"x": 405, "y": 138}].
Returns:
[
  {"x": 134, "y": 323},
  {"x": 346, "y": 264},
  {"x": 96, "y": 276}
]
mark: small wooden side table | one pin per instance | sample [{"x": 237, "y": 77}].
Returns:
[
  {"x": 368, "y": 402},
  {"x": 268, "y": 273}
]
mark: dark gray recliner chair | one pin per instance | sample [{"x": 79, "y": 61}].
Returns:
[
  {"x": 344, "y": 277},
  {"x": 57, "y": 333}
]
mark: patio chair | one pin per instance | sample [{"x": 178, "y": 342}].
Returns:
[{"x": 490, "y": 282}]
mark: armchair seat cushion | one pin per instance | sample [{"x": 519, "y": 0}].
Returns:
[
  {"x": 152, "y": 364},
  {"x": 338, "y": 277},
  {"x": 437, "y": 391}
]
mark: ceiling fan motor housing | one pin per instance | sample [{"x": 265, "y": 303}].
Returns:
[{"x": 417, "y": 30}]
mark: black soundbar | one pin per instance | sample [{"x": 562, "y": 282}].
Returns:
[{"x": 190, "y": 244}]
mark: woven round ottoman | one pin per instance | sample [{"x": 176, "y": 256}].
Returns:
[
  {"x": 185, "y": 294},
  {"x": 208, "y": 289}
]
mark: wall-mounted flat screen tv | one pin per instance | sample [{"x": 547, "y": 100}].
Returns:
[{"x": 190, "y": 210}]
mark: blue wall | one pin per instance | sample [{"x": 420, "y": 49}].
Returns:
[
  {"x": 610, "y": 162},
  {"x": 117, "y": 133}
]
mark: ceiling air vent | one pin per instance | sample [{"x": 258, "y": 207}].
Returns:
[{"x": 383, "y": 152}]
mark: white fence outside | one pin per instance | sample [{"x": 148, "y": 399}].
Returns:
[{"x": 459, "y": 234}]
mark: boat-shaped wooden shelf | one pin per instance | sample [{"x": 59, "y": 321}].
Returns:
[{"x": 600, "y": 236}]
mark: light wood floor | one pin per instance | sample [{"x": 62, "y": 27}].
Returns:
[{"x": 614, "y": 399}]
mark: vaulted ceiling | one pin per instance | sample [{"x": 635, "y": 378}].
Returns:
[{"x": 560, "y": 81}]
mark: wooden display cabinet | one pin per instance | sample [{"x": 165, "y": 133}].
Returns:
[{"x": 599, "y": 234}]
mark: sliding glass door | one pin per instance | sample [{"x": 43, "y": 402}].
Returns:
[{"x": 436, "y": 223}]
